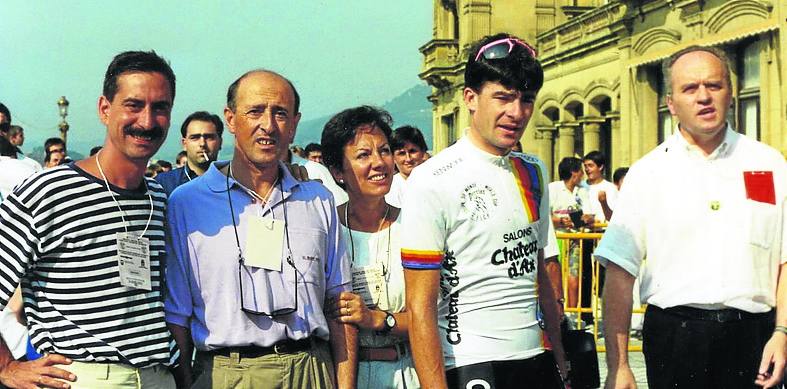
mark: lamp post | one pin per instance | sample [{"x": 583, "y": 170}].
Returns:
[{"x": 62, "y": 105}]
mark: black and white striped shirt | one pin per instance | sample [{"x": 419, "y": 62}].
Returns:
[{"x": 58, "y": 237}]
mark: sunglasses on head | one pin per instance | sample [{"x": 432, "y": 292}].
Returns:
[{"x": 501, "y": 48}]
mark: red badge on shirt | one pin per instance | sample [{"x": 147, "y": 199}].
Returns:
[{"x": 759, "y": 186}]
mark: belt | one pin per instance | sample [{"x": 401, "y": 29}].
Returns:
[
  {"x": 717, "y": 315},
  {"x": 284, "y": 347},
  {"x": 388, "y": 353}
]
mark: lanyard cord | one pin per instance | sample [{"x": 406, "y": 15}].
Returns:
[
  {"x": 186, "y": 171},
  {"x": 125, "y": 224},
  {"x": 352, "y": 242}
]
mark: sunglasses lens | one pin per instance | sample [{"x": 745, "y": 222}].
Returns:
[{"x": 500, "y": 50}]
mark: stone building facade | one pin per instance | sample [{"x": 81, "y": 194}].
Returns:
[{"x": 603, "y": 85}]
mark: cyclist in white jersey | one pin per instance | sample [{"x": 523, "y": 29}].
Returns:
[{"x": 475, "y": 221}]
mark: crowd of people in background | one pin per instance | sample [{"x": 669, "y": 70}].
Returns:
[{"x": 363, "y": 261}]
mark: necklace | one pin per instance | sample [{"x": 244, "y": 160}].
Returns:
[{"x": 387, "y": 263}]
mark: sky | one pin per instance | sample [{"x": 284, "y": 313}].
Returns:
[{"x": 338, "y": 53}]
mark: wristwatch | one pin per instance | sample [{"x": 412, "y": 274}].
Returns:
[{"x": 388, "y": 323}]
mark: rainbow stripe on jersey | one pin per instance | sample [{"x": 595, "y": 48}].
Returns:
[
  {"x": 421, "y": 259},
  {"x": 530, "y": 182}
]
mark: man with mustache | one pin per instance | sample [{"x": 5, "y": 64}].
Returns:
[
  {"x": 475, "y": 224},
  {"x": 249, "y": 274},
  {"x": 86, "y": 241},
  {"x": 707, "y": 208},
  {"x": 201, "y": 139}
]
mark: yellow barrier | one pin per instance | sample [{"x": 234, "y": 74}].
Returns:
[{"x": 582, "y": 239}]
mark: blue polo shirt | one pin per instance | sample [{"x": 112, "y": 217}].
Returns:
[{"x": 203, "y": 292}]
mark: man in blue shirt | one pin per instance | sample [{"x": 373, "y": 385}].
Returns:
[{"x": 249, "y": 273}]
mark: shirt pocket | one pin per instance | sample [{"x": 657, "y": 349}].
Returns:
[
  {"x": 308, "y": 248},
  {"x": 761, "y": 223}
]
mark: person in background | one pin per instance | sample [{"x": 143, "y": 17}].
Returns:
[
  {"x": 619, "y": 175},
  {"x": 165, "y": 165},
  {"x": 357, "y": 152},
  {"x": 409, "y": 149},
  {"x": 602, "y": 193},
  {"x": 180, "y": 159},
  {"x": 313, "y": 152},
  {"x": 5, "y": 115},
  {"x": 16, "y": 135},
  {"x": 200, "y": 135}
]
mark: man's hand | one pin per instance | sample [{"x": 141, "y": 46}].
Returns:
[
  {"x": 298, "y": 172},
  {"x": 37, "y": 374},
  {"x": 621, "y": 378},
  {"x": 773, "y": 361}
]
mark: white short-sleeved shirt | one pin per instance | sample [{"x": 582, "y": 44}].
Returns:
[
  {"x": 561, "y": 200},
  {"x": 394, "y": 196},
  {"x": 480, "y": 219},
  {"x": 594, "y": 206},
  {"x": 706, "y": 243}
]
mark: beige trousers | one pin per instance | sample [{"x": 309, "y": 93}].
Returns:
[
  {"x": 306, "y": 369},
  {"x": 118, "y": 376}
]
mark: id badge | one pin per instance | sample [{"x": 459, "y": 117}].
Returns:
[
  {"x": 133, "y": 261},
  {"x": 369, "y": 284},
  {"x": 264, "y": 241}
]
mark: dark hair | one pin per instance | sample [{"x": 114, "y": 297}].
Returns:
[
  {"x": 95, "y": 150},
  {"x": 4, "y": 110},
  {"x": 14, "y": 129},
  {"x": 599, "y": 159},
  {"x": 164, "y": 164},
  {"x": 136, "y": 62},
  {"x": 232, "y": 91},
  {"x": 181, "y": 154},
  {"x": 568, "y": 166},
  {"x": 4, "y": 127},
  {"x": 6, "y": 148},
  {"x": 312, "y": 147},
  {"x": 666, "y": 66},
  {"x": 341, "y": 128},
  {"x": 202, "y": 116},
  {"x": 519, "y": 70},
  {"x": 51, "y": 142},
  {"x": 406, "y": 134},
  {"x": 619, "y": 174}
]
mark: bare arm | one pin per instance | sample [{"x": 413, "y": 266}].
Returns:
[
  {"x": 617, "y": 313},
  {"x": 552, "y": 317},
  {"x": 349, "y": 308},
  {"x": 602, "y": 199},
  {"x": 422, "y": 287},
  {"x": 774, "y": 353},
  {"x": 555, "y": 275},
  {"x": 16, "y": 306},
  {"x": 183, "y": 372},
  {"x": 344, "y": 348}
]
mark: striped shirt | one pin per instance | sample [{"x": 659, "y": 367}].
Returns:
[{"x": 58, "y": 238}]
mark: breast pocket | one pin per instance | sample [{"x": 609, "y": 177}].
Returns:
[
  {"x": 761, "y": 223},
  {"x": 308, "y": 250}
]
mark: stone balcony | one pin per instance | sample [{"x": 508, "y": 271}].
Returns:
[{"x": 441, "y": 61}]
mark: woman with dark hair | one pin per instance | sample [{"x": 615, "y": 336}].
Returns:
[
  {"x": 409, "y": 149},
  {"x": 356, "y": 151}
]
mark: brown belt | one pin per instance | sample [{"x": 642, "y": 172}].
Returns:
[{"x": 387, "y": 354}]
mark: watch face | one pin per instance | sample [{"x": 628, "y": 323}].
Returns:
[{"x": 390, "y": 321}]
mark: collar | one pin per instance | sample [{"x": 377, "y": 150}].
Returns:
[
  {"x": 467, "y": 147},
  {"x": 722, "y": 150},
  {"x": 217, "y": 181},
  {"x": 189, "y": 174}
]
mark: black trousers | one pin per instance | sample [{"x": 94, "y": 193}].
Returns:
[
  {"x": 685, "y": 348},
  {"x": 537, "y": 372}
]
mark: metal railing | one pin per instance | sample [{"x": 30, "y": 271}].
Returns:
[{"x": 583, "y": 239}]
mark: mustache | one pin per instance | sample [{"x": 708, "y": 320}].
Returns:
[{"x": 153, "y": 133}]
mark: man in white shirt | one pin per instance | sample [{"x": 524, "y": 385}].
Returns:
[
  {"x": 16, "y": 135},
  {"x": 601, "y": 192},
  {"x": 707, "y": 208},
  {"x": 475, "y": 223}
]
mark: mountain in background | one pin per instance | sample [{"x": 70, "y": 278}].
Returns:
[{"x": 409, "y": 108}]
